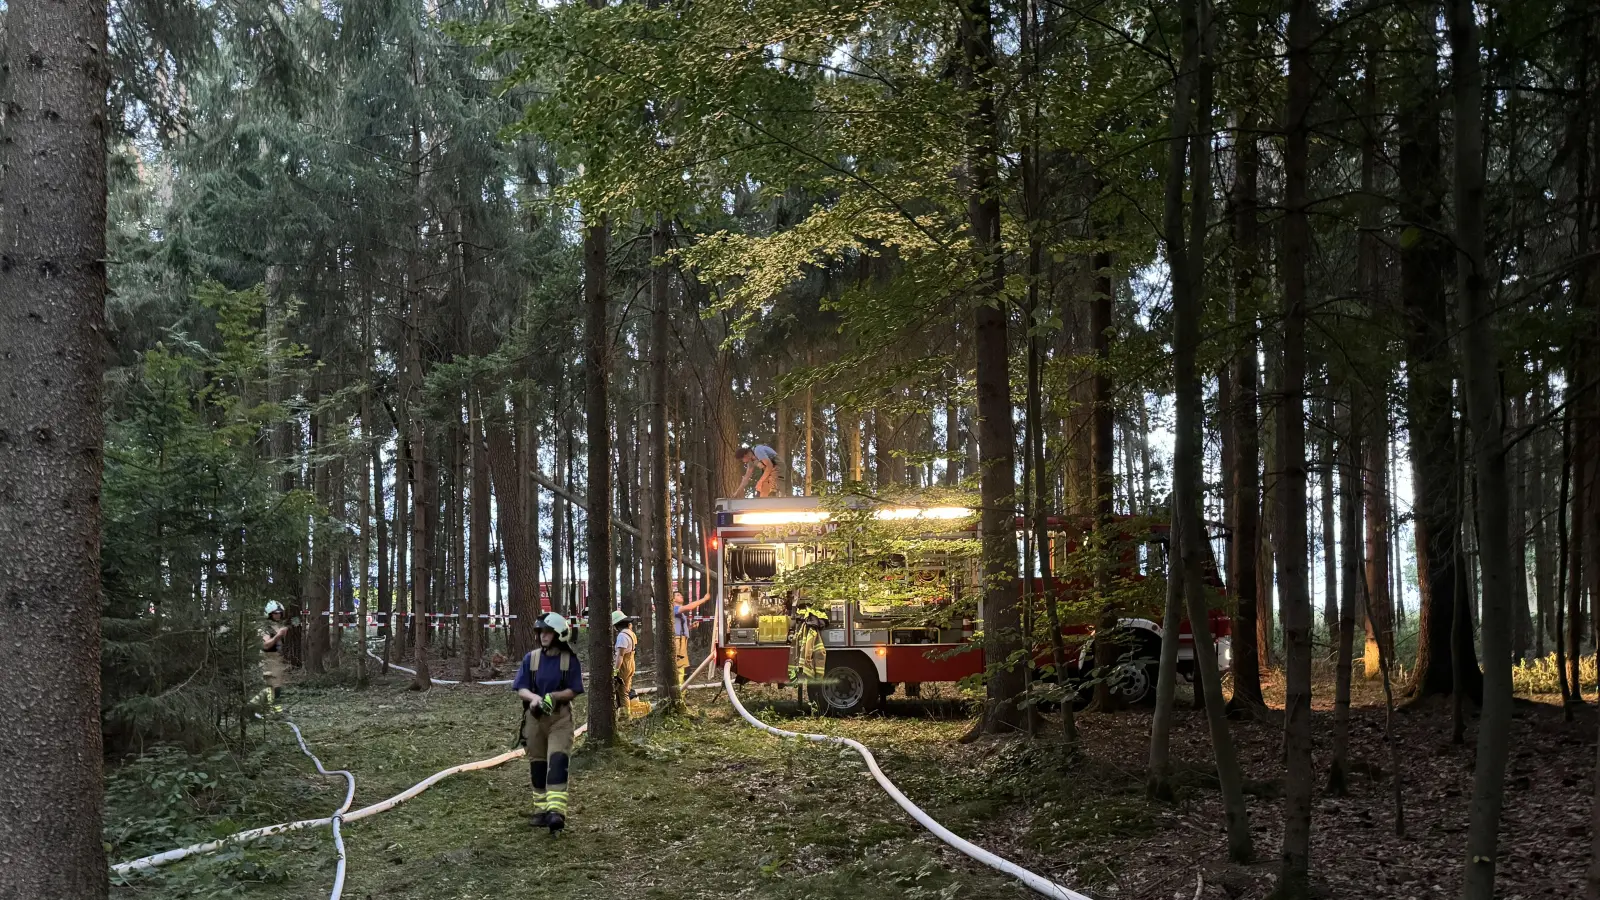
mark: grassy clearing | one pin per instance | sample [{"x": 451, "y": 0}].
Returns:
[{"x": 703, "y": 807}]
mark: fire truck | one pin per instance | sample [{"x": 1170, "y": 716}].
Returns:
[{"x": 874, "y": 647}]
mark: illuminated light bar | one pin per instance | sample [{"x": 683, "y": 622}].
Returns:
[
  {"x": 815, "y": 516},
  {"x": 790, "y": 517}
]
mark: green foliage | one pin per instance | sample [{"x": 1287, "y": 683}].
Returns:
[
  {"x": 919, "y": 571},
  {"x": 166, "y": 797},
  {"x": 194, "y": 521}
]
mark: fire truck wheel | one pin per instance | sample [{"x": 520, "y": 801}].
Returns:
[
  {"x": 1133, "y": 678},
  {"x": 849, "y": 686},
  {"x": 1135, "y": 682}
]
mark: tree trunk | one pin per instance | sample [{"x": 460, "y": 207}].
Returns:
[
  {"x": 1379, "y": 624},
  {"x": 1244, "y": 551},
  {"x": 517, "y": 548},
  {"x": 1290, "y": 534},
  {"x": 403, "y": 477},
  {"x": 478, "y": 577},
  {"x": 1522, "y": 637},
  {"x": 421, "y": 469},
  {"x": 364, "y": 532},
  {"x": 52, "y": 353},
  {"x": 459, "y": 572},
  {"x": 650, "y": 635},
  {"x": 1576, "y": 533},
  {"x": 1350, "y": 506},
  {"x": 1481, "y": 383},
  {"x": 525, "y": 419},
  {"x": 1002, "y": 611},
  {"x": 1430, "y": 408},
  {"x": 558, "y": 522},
  {"x": 667, "y": 674},
  {"x": 1563, "y": 551},
  {"x": 380, "y": 527},
  {"x": 952, "y": 441},
  {"x": 1272, "y": 484},
  {"x": 1539, "y": 509},
  {"x": 812, "y": 469},
  {"x": 317, "y": 562},
  {"x": 1330, "y": 582},
  {"x": 784, "y": 421},
  {"x": 421, "y": 547},
  {"x": 597, "y": 413},
  {"x": 1186, "y": 462}
]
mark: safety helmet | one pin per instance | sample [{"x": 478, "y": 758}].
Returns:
[
  {"x": 811, "y": 613},
  {"x": 557, "y": 623},
  {"x": 274, "y": 606},
  {"x": 619, "y": 617}
]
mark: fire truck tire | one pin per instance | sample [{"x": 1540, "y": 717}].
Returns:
[
  {"x": 849, "y": 685},
  {"x": 1134, "y": 676}
]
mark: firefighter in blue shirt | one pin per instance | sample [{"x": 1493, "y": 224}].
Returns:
[{"x": 547, "y": 681}]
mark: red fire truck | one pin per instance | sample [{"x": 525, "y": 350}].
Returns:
[{"x": 873, "y": 647}]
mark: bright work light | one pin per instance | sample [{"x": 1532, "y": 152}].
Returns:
[{"x": 815, "y": 516}]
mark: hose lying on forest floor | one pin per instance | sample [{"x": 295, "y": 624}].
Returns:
[
  {"x": 1033, "y": 880},
  {"x": 253, "y": 834},
  {"x": 338, "y": 814}
]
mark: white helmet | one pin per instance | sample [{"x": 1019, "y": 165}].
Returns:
[
  {"x": 557, "y": 623},
  {"x": 274, "y": 606}
]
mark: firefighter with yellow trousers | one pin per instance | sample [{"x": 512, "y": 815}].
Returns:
[
  {"x": 274, "y": 634},
  {"x": 626, "y": 660},
  {"x": 548, "y": 680},
  {"x": 807, "y": 656}
]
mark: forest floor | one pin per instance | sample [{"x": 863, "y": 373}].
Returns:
[{"x": 704, "y": 806}]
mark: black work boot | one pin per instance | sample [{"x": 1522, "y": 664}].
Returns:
[
  {"x": 539, "y": 819},
  {"x": 555, "y": 821}
]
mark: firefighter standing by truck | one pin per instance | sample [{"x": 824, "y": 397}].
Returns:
[
  {"x": 808, "y": 657},
  {"x": 680, "y": 631},
  {"x": 547, "y": 681}
]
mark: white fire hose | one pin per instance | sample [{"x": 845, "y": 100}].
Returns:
[
  {"x": 253, "y": 834},
  {"x": 1033, "y": 880},
  {"x": 338, "y": 814}
]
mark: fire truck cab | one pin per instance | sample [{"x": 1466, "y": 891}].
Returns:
[{"x": 872, "y": 649}]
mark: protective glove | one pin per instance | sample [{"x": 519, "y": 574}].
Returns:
[{"x": 548, "y": 704}]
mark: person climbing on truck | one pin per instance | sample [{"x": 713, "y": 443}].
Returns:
[
  {"x": 548, "y": 680},
  {"x": 763, "y": 457}
]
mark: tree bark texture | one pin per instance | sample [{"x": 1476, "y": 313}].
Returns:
[
  {"x": 667, "y": 674},
  {"x": 1481, "y": 383},
  {"x": 1002, "y": 610},
  {"x": 52, "y": 352},
  {"x": 1350, "y": 507},
  {"x": 1290, "y": 534},
  {"x": 597, "y": 414},
  {"x": 1430, "y": 407},
  {"x": 1185, "y": 321},
  {"x": 1244, "y": 551}
]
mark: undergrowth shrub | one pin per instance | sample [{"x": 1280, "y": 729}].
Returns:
[{"x": 1541, "y": 677}]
